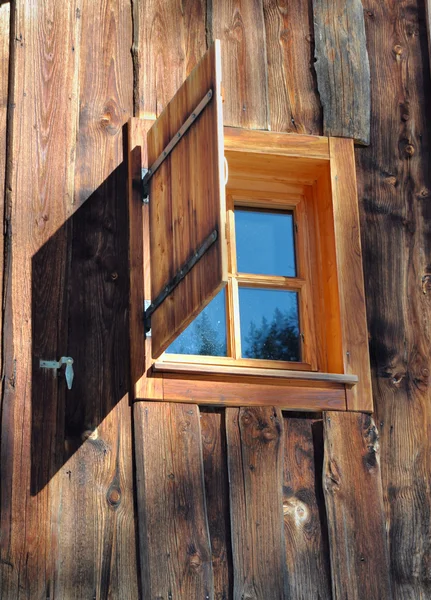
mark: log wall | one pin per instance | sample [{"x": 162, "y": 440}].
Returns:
[{"x": 254, "y": 503}]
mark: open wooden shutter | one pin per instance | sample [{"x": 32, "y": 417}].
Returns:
[{"x": 187, "y": 202}]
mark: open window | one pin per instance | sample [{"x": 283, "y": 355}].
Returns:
[{"x": 254, "y": 282}]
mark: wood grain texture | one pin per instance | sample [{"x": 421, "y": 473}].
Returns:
[
  {"x": 97, "y": 414},
  {"x": 240, "y": 27},
  {"x": 313, "y": 378},
  {"x": 342, "y": 68},
  {"x": 350, "y": 276},
  {"x": 217, "y": 499},
  {"x": 168, "y": 41},
  {"x": 264, "y": 142},
  {"x": 175, "y": 548},
  {"x": 61, "y": 299},
  {"x": 294, "y": 104},
  {"x": 354, "y": 505},
  {"x": 394, "y": 189},
  {"x": 139, "y": 259},
  {"x": 226, "y": 391},
  {"x": 187, "y": 203},
  {"x": 428, "y": 19},
  {"x": 5, "y": 18},
  {"x": 305, "y": 529},
  {"x": 255, "y": 464},
  {"x": 39, "y": 191}
]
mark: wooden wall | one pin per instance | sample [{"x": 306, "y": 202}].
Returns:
[{"x": 252, "y": 502}]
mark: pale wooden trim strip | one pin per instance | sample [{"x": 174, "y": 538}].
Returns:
[
  {"x": 285, "y": 144},
  {"x": 174, "y": 367}
]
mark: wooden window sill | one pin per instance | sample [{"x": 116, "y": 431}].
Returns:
[{"x": 206, "y": 369}]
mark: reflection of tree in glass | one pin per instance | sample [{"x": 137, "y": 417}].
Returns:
[
  {"x": 278, "y": 340},
  {"x": 209, "y": 345}
]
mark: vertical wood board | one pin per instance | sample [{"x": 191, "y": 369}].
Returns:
[
  {"x": 428, "y": 19},
  {"x": 255, "y": 465},
  {"x": 305, "y": 528},
  {"x": 217, "y": 500},
  {"x": 62, "y": 470},
  {"x": 187, "y": 203},
  {"x": 394, "y": 191},
  {"x": 168, "y": 41},
  {"x": 342, "y": 67},
  {"x": 294, "y": 104},
  {"x": 354, "y": 504},
  {"x": 39, "y": 192},
  {"x": 241, "y": 29},
  {"x": 175, "y": 550},
  {"x": 5, "y": 17}
]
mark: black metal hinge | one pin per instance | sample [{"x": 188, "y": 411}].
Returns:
[
  {"x": 186, "y": 268},
  {"x": 148, "y": 173}
]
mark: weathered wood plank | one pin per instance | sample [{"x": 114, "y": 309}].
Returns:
[
  {"x": 294, "y": 104},
  {"x": 168, "y": 41},
  {"x": 46, "y": 502},
  {"x": 428, "y": 18},
  {"x": 217, "y": 500},
  {"x": 97, "y": 414},
  {"x": 255, "y": 464},
  {"x": 5, "y": 17},
  {"x": 394, "y": 177},
  {"x": 39, "y": 192},
  {"x": 241, "y": 29},
  {"x": 307, "y": 549},
  {"x": 354, "y": 505},
  {"x": 175, "y": 550},
  {"x": 342, "y": 67},
  {"x": 350, "y": 276}
]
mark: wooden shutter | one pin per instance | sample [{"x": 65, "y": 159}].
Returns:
[{"x": 187, "y": 202}]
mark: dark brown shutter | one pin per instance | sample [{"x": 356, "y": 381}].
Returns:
[{"x": 187, "y": 202}]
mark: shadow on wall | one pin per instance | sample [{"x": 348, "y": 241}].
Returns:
[{"x": 80, "y": 295}]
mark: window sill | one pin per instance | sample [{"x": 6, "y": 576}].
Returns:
[{"x": 240, "y": 371}]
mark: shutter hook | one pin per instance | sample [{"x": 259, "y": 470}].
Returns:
[{"x": 54, "y": 364}]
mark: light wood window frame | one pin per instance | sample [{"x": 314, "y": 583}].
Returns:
[{"x": 336, "y": 374}]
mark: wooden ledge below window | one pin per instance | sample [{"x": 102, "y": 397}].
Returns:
[
  {"x": 312, "y": 376},
  {"x": 231, "y": 386}
]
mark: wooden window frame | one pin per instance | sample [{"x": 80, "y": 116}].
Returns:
[{"x": 336, "y": 375}]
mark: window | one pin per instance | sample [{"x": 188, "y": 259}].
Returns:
[
  {"x": 262, "y": 317},
  {"x": 255, "y": 290}
]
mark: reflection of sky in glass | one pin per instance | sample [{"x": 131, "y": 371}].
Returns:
[
  {"x": 269, "y": 324},
  {"x": 206, "y": 334},
  {"x": 264, "y": 242}
]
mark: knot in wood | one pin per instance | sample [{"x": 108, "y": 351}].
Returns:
[
  {"x": 398, "y": 50},
  {"x": 297, "y": 510},
  {"x": 409, "y": 149},
  {"x": 332, "y": 477},
  {"x": 426, "y": 284},
  {"x": 114, "y": 497}
]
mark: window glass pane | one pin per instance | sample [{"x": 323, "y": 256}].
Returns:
[
  {"x": 264, "y": 242},
  {"x": 269, "y": 324},
  {"x": 206, "y": 335}
]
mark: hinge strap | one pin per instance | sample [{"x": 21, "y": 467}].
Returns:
[
  {"x": 186, "y": 268},
  {"x": 174, "y": 141}
]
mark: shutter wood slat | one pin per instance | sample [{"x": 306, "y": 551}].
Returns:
[{"x": 187, "y": 203}]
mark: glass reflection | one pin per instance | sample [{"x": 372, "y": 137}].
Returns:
[
  {"x": 269, "y": 324},
  {"x": 206, "y": 334},
  {"x": 265, "y": 242}
]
